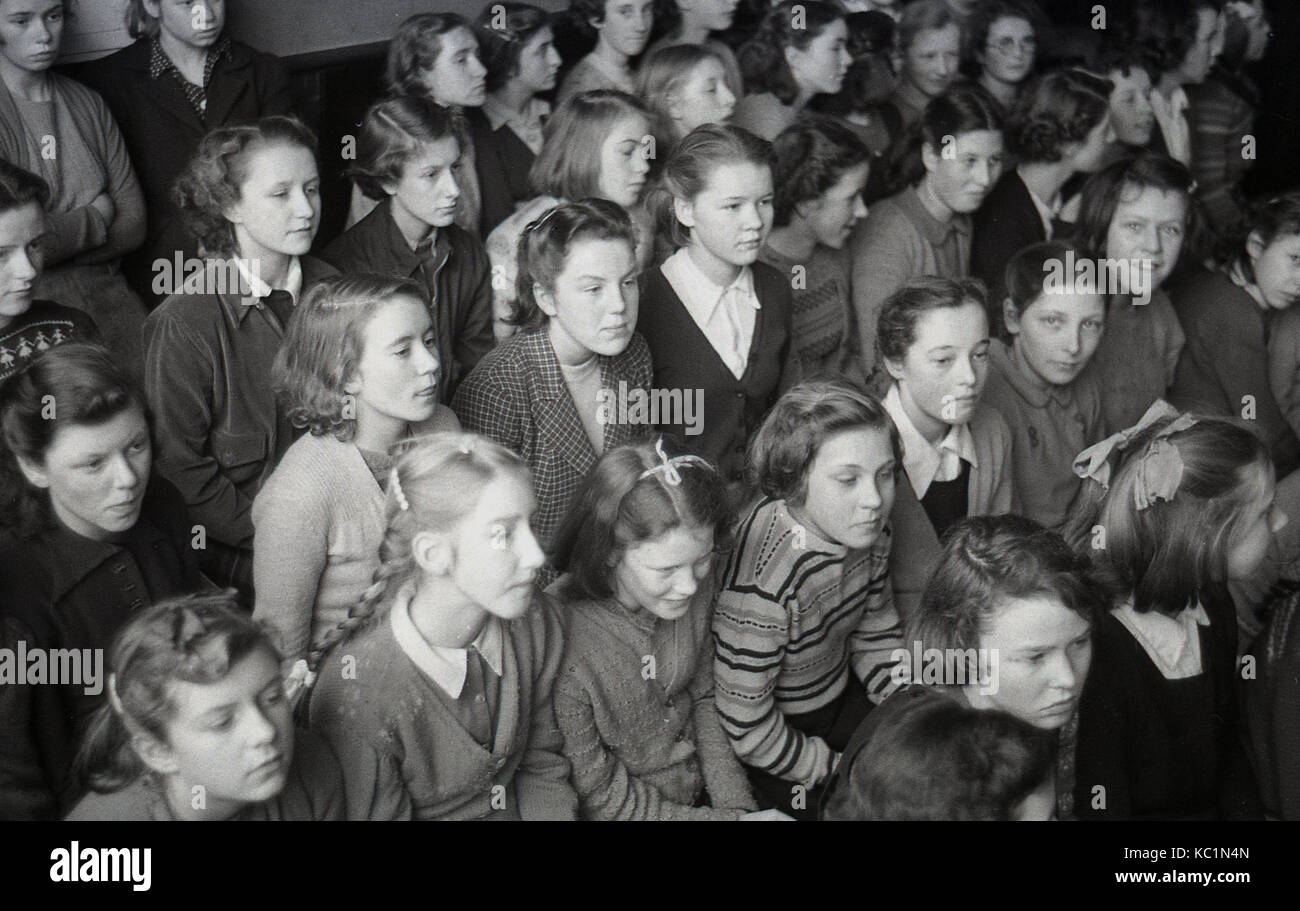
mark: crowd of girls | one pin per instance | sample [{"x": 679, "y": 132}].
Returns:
[{"x": 830, "y": 410}]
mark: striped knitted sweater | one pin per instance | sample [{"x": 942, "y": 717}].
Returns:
[{"x": 794, "y": 613}]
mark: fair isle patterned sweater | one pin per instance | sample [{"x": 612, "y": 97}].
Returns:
[{"x": 795, "y": 612}]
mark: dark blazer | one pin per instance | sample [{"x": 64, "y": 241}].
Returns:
[
  {"x": 162, "y": 131},
  {"x": 684, "y": 359},
  {"x": 502, "y": 161},
  {"x": 63, "y": 591},
  {"x": 459, "y": 294},
  {"x": 1006, "y": 223},
  {"x": 518, "y": 397},
  {"x": 207, "y": 378}
]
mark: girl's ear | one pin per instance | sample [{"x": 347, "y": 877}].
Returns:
[
  {"x": 434, "y": 553},
  {"x": 929, "y": 157},
  {"x": 545, "y": 299},
  {"x": 893, "y": 368},
  {"x": 1255, "y": 245},
  {"x": 1011, "y": 316},
  {"x": 389, "y": 186},
  {"x": 34, "y": 472},
  {"x": 155, "y": 754},
  {"x": 684, "y": 209}
]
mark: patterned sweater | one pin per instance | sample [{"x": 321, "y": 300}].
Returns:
[
  {"x": 634, "y": 699},
  {"x": 794, "y": 612}
]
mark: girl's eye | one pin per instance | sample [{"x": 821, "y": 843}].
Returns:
[
  {"x": 981, "y": 355},
  {"x": 1092, "y": 325},
  {"x": 847, "y": 482},
  {"x": 942, "y": 361},
  {"x": 1173, "y": 230},
  {"x": 403, "y": 351},
  {"x": 220, "y": 724},
  {"x": 279, "y": 194},
  {"x": 430, "y": 341},
  {"x": 1035, "y": 658},
  {"x": 94, "y": 465}
]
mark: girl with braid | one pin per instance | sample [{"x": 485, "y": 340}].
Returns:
[{"x": 446, "y": 665}]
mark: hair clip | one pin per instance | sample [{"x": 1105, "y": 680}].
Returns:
[
  {"x": 395, "y": 485},
  {"x": 536, "y": 224},
  {"x": 1094, "y": 462},
  {"x": 669, "y": 466},
  {"x": 1160, "y": 472}
]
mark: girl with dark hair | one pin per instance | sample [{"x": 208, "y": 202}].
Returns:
[
  {"x": 93, "y": 537},
  {"x": 183, "y": 76},
  {"x": 64, "y": 132},
  {"x": 805, "y": 624},
  {"x": 410, "y": 158},
  {"x": 925, "y": 228},
  {"x": 1141, "y": 217},
  {"x": 542, "y": 392},
  {"x": 519, "y": 53},
  {"x": 715, "y": 318},
  {"x": 1241, "y": 344},
  {"x": 252, "y": 197},
  {"x": 360, "y": 371},
  {"x": 800, "y": 50},
  {"x": 640, "y": 546},
  {"x": 1188, "y": 508},
  {"x": 455, "y": 651},
  {"x": 820, "y": 171},
  {"x": 1001, "y": 46},
  {"x": 196, "y": 706},
  {"x": 622, "y": 31},
  {"x": 1060, "y": 127},
  {"x": 1005, "y": 625}
]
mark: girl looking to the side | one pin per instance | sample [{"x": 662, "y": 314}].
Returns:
[
  {"x": 622, "y": 31},
  {"x": 685, "y": 86},
  {"x": 359, "y": 370}
]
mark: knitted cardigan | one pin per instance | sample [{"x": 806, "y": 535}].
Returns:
[
  {"x": 634, "y": 700},
  {"x": 393, "y": 734}
]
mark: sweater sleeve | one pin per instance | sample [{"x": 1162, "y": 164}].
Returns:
[
  {"x": 290, "y": 549},
  {"x": 752, "y": 631},
  {"x": 884, "y": 256},
  {"x": 126, "y": 233},
  {"x": 542, "y": 779},
  {"x": 608, "y": 790},
  {"x": 878, "y": 634},
  {"x": 724, "y": 777},
  {"x": 178, "y": 377}
]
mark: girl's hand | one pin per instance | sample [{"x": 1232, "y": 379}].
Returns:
[
  {"x": 103, "y": 204},
  {"x": 766, "y": 816}
]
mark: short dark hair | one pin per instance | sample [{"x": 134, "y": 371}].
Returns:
[
  {"x": 393, "y": 131},
  {"x": 1165, "y": 29},
  {"x": 1055, "y": 109},
  {"x": 499, "y": 46},
  {"x": 19, "y": 188},
  {"x": 1270, "y": 219},
  {"x": 896, "y": 325},
  {"x": 811, "y": 155},
  {"x": 762, "y": 57},
  {"x": 793, "y": 432}
]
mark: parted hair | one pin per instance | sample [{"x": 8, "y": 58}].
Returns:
[
  {"x": 503, "y": 31},
  {"x": 440, "y": 477},
  {"x": 1055, "y": 109},
  {"x": 211, "y": 181},
  {"x": 1168, "y": 553},
  {"x": 810, "y": 156},
  {"x": 568, "y": 167},
  {"x": 690, "y": 166},
  {"x": 902, "y": 310},
  {"x": 787, "y": 24},
  {"x": 1104, "y": 191},
  {"x": 19, "y": 187},
  {"x": 987, "y": 560},
  {"x": 941, "y": 760},
  {"x": 415, "y": 48},
  {"x": 1268, "y": 220},
  {"x": 619, "y": 506},
  {"x": 87, "y": 385},
  {"x": 393, "y": 131},
  {"x": 323, "y": 346},
  {"x": 804, "y": 418},
  {"x": 546, "y": 243},
  {"x": 195, "y": 639}
]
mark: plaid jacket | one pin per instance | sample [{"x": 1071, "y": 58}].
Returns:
[{"x": 517, "y": 396}]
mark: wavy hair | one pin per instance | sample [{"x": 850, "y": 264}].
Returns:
[{"x": 762, "y": 57}]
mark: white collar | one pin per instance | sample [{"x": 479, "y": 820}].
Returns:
[
  {"x": 704, "y": 295},
  {"x": 259, "y": 287},
  {"x": 447, "y": 667},
  {"x": 1172, "y": 643},
  {"x": 921, "y": 459},
  {"x": 1046, "y": 213}
]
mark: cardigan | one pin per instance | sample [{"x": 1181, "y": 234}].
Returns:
[
  {"x": 1160, "y": 748},
  {"x": 1007, "y": 222},
  {"x": 319, "y": 521},
  {"x": 899, "y": 239},
  {"x": 634, "y": 700},
  {"x": 207, "y": 361},
  {"x": 64, "y": 591},
  {"x": 398, "y": 741},
  {"x": 684, "y": 359},
  {"x": 1049, "y": 427},
  {"x": 313, "y": 791},
  {"x": 518, "y": 397},
  {"x": 459, "y": 292},
  {"x": 162, "y": 130},
  {"x": 797, "y": 618},
  {"x": 41, "y": 327},
  {"x": 1136, "y": 359},
  {"x": 824, "y": 327},
  {"x": 1220, "y": 120},
  {"x": 1226, "y": 359}
]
